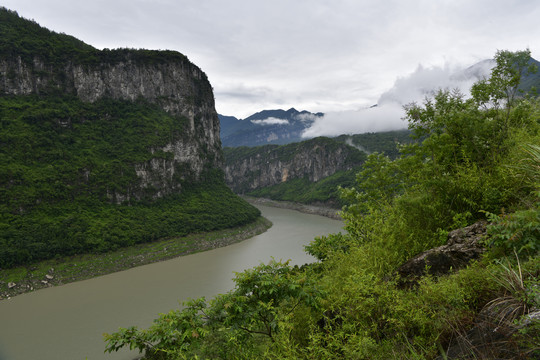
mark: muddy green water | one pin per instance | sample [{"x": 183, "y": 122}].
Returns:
[{"x": 67, "y": 322}]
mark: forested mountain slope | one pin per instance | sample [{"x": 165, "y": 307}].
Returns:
[
  {"x": 101, "y": 149},
  {"x": 309, "y": 171}
]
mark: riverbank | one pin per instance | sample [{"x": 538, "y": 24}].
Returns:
[
  {"x": 308, "y": 209},
  {"x": 56, "y": 272}
]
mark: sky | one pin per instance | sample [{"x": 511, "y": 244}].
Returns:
[{"x": 338, "y": 57}]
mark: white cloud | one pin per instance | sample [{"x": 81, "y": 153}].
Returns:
[
  {"x": 271, "y": 121},
  {"x": 388, "y": 113},
  {"x": 307, "y": 117},
  {"x": 373, "y": 119},
  {"x": 424, "y": 81}
]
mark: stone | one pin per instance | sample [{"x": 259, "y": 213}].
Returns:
[
  {"x": 267, "y": 166},
  {"x": 11, "y": 285},
  {"x": 462, "y": 247},
  {"x": 49, "y": 277}
]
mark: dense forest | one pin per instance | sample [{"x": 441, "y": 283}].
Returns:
[
  {"x": 477, "y": 158},
  {"x": 68, "y": 161}
]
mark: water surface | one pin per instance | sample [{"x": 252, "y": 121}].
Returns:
[{"x": 67, "y": 322}]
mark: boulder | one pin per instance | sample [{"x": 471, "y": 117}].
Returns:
[{"x": 463, "y": 245}]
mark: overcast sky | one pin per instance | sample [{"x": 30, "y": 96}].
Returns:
[{"x": 335, "y": 56}]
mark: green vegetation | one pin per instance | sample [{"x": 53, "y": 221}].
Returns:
[
  {"x": 474, "y": 157},
  {"x": 386, "y": 142},
  {"x": 300, "y": 190},
  {"x": 78, "y": 178},
  {"x": 29, "y": 41},
  {"x": 325, "y": 191},
  {"x": 67, "y": 175},
  {"x": 287, "y": 152}
]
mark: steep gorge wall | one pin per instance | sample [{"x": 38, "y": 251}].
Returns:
[
  {"x": 248, "y": 169},
  {"x": 167, "y": 79}
]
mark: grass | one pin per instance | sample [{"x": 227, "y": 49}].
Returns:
[{"x": 79, "y": 267}]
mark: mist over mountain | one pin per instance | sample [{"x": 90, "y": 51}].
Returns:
[
  {"x": 286, "y": 126},
  {"x": 266, "y": 127}
]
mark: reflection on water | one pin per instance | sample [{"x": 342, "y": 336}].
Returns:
[{"x": 67, "y": 322}]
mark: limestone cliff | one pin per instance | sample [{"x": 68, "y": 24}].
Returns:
[
  {"x": 166, "y": 78},
  {"x": 248, "y": 169}
]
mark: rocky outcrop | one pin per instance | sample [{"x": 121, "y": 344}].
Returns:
[
  {"x": 167, "y": 79},
  {"x": 248, "y": 169},
  {"x": 463, "y": 246}
]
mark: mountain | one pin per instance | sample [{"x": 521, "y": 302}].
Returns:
[
  {"x": 266, "y": 127},
  {"x": 101, "y": 149},
  {"x": 309, "y": 171}
]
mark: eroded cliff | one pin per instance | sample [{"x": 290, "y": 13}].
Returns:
[
  {"x": 167, "y": 79},
  {"x": 248, "y": 169}
]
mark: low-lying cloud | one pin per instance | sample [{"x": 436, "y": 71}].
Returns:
[
  {"x": 271, "y": 121},
  {"x": 389, "y": 112},
  {"x": 373, "y": 119}
]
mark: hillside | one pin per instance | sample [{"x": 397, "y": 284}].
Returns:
[
  {"x": 309, "y": 171},
  {"x": 103, "y": 149}
]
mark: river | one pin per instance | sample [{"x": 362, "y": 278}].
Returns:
[{"x": 67, "y": 322}]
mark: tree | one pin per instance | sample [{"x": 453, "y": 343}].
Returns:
[
  {"x": 502, "y": 87},
  {"x": 253, "y": 308}
]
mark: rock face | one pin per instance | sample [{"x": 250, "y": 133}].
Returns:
[
  {"x": 463, "y": 246},
  {"x": 167, "y": 79},
  {"x": 248, "y": 169}
]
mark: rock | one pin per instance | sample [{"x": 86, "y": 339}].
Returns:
[
  {"x": 463, "y": 246},
  {"x": 11, "y": 285},
  {"x": 270, "y": 165},
  {"x": 530, "y": 319},
  {"x": 44, "y": 282},
  {"x": 49, "y": 277}
]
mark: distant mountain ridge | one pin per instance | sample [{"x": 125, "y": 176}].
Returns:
[{"x": 266, "y": 127}]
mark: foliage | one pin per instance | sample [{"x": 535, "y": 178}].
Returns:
[
  {"x": 302, "y": 190},
  {"x": 518, "y": 231},
  {"x": 387, "y": 142},
  {"x": 246, "y": 315},
  {"x": 27, "y": 40},
  {"x": 65, "y": 164}
]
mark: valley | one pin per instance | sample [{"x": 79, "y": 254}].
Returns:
[{"x": 124, "y": 193}]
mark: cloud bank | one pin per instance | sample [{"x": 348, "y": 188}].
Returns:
[
  {"x": 271, "y": 121},
  {"x": 389, "y": 112}
]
